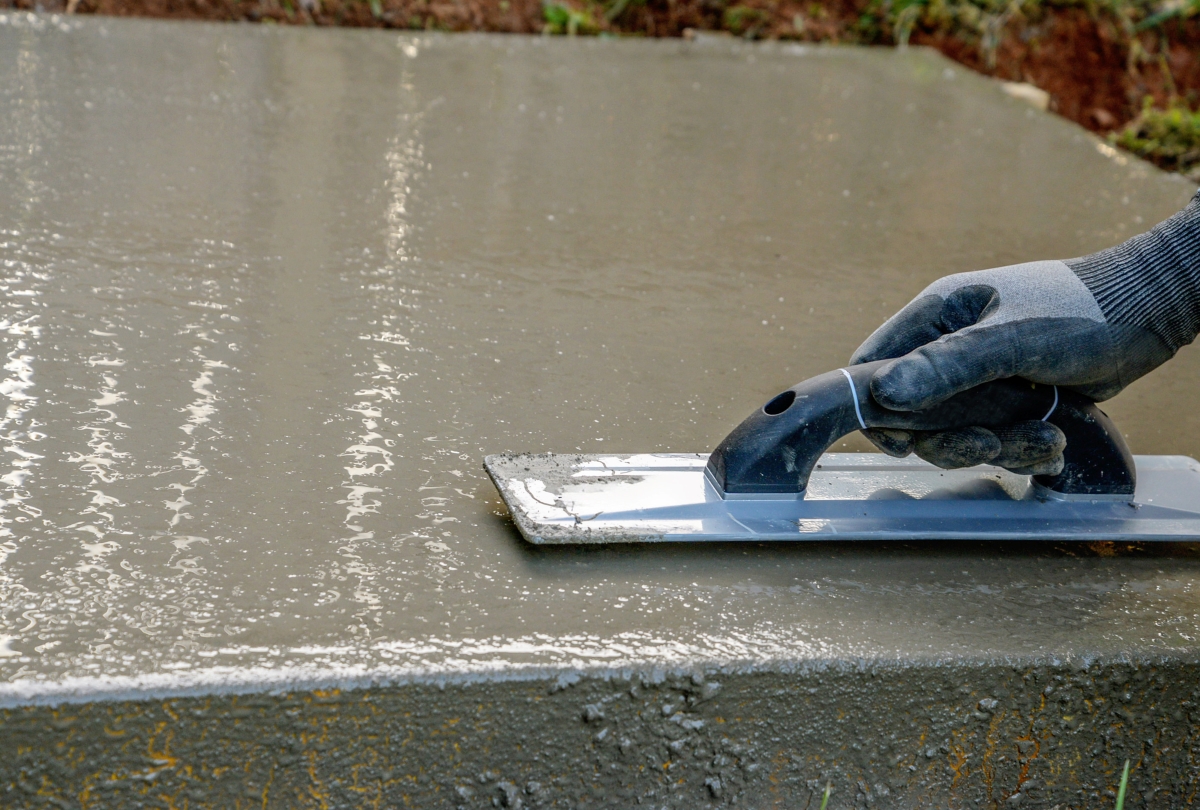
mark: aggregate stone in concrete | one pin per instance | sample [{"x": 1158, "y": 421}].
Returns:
[{"x": 271, "y": 296}]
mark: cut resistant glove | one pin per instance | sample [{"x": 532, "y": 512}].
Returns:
[{"x": 1093, "y": 325}]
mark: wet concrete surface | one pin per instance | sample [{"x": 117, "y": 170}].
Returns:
[{"x": 271, "y": 296}]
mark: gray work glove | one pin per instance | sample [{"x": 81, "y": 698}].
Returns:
[{"x": 1093, "y": 325}]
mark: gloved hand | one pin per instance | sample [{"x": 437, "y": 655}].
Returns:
[{"x": 1093, "y": 324}]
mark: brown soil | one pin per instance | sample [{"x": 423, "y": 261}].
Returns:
[
  {"x": 1095, "y": 72},
  {"x": 1085, "y": 64}
]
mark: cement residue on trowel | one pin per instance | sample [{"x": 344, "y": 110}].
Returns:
[{"x": 542, "y": 489}]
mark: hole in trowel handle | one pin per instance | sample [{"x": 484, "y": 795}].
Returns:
[{"x": 780, "y": 404}]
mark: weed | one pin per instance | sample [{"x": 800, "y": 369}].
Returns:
[
  {"x": 1170, "y": 137},
  {"x": 903, "y": 25},
  {"x": 563, "y": 19},
  {"x": 744, "y": 20},
  {"x": 1169, "y": 11},
  {"x": 618, "y": 8},
  {"x": 1121, "y": 789},
  {"x": 983, "y": 21},
  {"x": 829, "y": 788}
]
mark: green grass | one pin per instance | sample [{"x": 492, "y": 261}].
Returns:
[
  {"x": 825, "y": 798},
  {"x": 1167, "y": 12},
  {"x": 563, "y": 19},
  {"x": 892, "y": 21},
  {"x": 1121, "y": 789},
  {"x": 744, "y": 20},
  {"x": 1170, "y": 137}
]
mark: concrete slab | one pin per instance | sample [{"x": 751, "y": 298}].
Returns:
[{"x": 270, "y": 296}]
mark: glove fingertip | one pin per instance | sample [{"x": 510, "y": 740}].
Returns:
[
  {"x": 955, "y": 449},
  {"x": 901, "y": 385},
  {"x": 1029, "y": 443},
  {"x": 1052, "y": 466},
  {"x": 893, "y": 442}
]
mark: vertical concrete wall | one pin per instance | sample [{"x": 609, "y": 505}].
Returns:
[{"x": 955, "y": 735}]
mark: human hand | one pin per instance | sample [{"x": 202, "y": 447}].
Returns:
[{"x": 1092, "y": 325}]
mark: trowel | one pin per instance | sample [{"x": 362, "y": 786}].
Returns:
[{"x": 772, "y": 479}]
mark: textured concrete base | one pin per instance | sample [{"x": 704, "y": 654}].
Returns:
[{"x": 991, "y": 735}]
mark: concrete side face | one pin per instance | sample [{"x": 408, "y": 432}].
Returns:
[{"x": 986, "y": 736}]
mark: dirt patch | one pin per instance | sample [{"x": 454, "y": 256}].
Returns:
[
  {"x": 1095, "y": 74},
  {"x": 1099, "y": 64}
]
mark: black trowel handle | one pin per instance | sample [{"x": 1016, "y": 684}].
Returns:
[{"x": 775, "y": 449}]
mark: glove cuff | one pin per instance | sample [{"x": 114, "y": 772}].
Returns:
[{"x": 1152, "y": 281}]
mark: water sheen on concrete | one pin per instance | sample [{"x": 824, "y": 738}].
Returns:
[{"x": 271, "y": 295}]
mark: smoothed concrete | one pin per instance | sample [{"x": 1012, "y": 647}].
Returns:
[{"x": 272, "y": 295}]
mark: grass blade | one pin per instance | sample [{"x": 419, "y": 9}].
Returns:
[
  {"x": 1120, "y": 790},
  {"x": 829, "y": 787}
]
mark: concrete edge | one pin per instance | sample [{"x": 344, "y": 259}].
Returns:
[{"x": 233, "y": 680}]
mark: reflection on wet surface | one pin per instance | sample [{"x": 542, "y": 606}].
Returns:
[{"x": 271, "y": 296}]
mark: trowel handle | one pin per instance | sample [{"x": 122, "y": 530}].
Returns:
[{"x": 775, "y": 449}]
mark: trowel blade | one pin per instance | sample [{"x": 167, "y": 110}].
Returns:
[{"x": 565, "y": 499}]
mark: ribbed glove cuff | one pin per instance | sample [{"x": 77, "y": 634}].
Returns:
[{"x": 1152, "y": 281}]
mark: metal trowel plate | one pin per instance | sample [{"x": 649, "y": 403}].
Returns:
[{"x": 851, "y": 496}]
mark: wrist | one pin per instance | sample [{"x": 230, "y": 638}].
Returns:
[{"x": 1148, "y": 287}]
